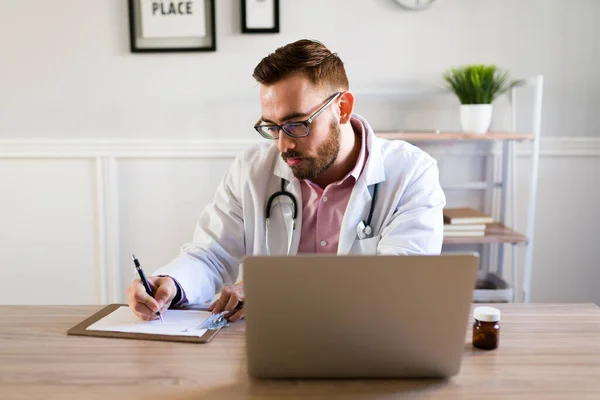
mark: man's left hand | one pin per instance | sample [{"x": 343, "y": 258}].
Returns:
[{"x": 232, "y": 300}]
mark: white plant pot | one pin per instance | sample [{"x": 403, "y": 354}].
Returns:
[{"x": 475, "y": 118}]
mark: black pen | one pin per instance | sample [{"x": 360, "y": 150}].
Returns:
[{"x": 140, "y": 271}]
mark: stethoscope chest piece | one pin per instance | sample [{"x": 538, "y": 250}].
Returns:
[{"x": 364, "y": 231}]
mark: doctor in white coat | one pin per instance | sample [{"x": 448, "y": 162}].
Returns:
[{"x": 350, "y": 192}]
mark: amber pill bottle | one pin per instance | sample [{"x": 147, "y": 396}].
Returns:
[{"x": 486, "y": 328}]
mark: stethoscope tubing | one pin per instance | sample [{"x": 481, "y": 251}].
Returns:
[{"x": 366, "y": 225}]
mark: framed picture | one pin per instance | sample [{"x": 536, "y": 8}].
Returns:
[
  {"x": 172, "y": 25},
  {"x": 260, "y": 16}
]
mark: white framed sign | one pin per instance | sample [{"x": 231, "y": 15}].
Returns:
[{"x": 172, "y": 25}]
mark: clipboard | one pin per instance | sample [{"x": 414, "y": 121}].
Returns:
[{"x": 81, "y": 330}]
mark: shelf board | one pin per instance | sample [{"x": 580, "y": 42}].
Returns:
[
  {"x": 494, "y": 233},
  {"x": 443, "y": 136}
]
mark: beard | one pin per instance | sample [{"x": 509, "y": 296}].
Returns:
[{"x": 327, "y": 153}]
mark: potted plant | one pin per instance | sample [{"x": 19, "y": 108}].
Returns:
[{"x": 477, "y": 86}]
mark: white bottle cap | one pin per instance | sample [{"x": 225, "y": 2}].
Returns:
[{"x": 486, "y": 314}]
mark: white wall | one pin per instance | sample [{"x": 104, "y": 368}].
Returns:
[
  {"x": 66, "y": 75},
  {"x": 66, "y": 70}
]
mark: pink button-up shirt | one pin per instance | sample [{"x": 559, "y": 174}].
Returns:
[{"x": 323, "y": 209}]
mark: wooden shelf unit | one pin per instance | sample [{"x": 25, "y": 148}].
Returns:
[{"x": 498, "y": 235}]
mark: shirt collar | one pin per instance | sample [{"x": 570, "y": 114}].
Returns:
[{"x": 359, "y": 130}]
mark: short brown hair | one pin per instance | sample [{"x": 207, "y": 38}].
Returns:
[{"x": 322, "y": 67}]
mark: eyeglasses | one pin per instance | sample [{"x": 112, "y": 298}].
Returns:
[{"x": 294, "y": 129}]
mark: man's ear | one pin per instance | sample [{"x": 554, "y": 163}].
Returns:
[{"x": 346, "y": 105}]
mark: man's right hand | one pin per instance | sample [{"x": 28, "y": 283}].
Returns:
[{"x": 143, "y": 305}]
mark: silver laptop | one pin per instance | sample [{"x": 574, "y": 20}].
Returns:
[{"x": 328, "y": 316}]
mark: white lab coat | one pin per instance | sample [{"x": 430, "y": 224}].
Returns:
[{"x": 407, "y": 218}]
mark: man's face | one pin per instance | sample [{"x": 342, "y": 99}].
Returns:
[{"x": 295, "y": 99}]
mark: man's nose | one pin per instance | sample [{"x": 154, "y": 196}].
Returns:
[{"x": 285, "y": 142}]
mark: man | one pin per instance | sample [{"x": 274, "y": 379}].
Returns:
[{"x": 325, "y": 159}]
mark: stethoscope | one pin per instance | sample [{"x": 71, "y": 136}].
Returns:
[{"x": 363, "y": 230}]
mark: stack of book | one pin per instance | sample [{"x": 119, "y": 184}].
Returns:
[{"x": 461, "y": 222}]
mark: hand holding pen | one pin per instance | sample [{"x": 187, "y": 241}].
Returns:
[{"x": 150, "y": 297}]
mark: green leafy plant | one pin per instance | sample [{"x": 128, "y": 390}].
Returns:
[{"x": 477, "y": 84}]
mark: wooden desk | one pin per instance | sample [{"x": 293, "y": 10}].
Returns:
[{"x": 546, "y": 352}]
